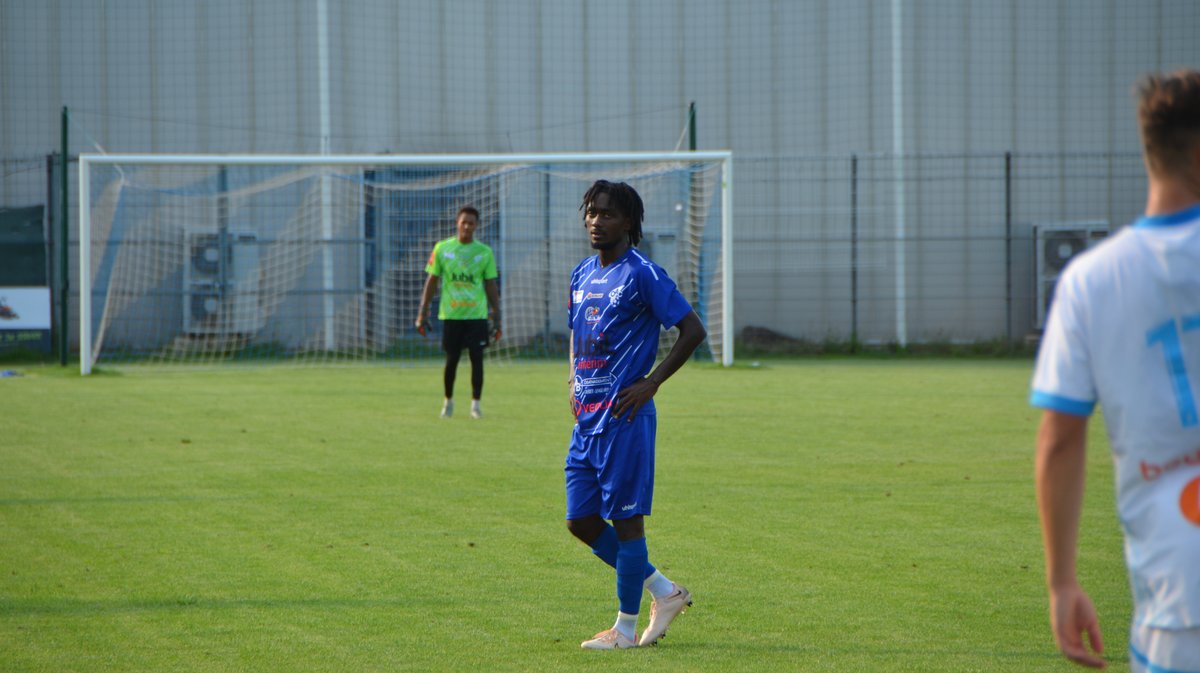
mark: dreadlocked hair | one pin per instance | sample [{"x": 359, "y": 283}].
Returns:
[{"x": 624, "y": 199}]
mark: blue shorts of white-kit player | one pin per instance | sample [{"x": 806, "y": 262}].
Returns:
[{"x": 612, "y": 473}]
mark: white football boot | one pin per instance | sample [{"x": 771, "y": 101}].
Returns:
[
  {"x": 611, "y": 639},
  {"x": 662, "y": 612}
]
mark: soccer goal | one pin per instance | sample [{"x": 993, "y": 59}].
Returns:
[{"x": 321, "y": 259}]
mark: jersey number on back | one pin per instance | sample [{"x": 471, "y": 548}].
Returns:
[{"x": 1168, "y": 335}]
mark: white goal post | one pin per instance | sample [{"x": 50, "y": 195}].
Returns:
[{"x": 320, "y": 258}]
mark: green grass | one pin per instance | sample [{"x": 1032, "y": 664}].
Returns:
[{"x": 828, "y": 515}]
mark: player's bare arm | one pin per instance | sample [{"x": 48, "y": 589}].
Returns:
[
  {"x": 492, "y": 288},
  {"x": 1061, "y": 462},
  {"x": 571, "y": 370},
  {"x": 431, "y": 285},
  {"x": 632, "y": 398}
]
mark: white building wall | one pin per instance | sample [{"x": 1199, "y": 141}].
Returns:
[{"x": 772, "y": 80}]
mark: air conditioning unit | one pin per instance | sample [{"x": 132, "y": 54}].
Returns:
[
  {"x": 221, "y": 284},
  {"x": 1056, "y": 245}
]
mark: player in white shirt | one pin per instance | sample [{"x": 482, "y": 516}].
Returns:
[{"x": 1124, "y": 333}]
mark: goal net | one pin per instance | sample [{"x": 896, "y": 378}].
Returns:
[{"x": 321, "y": 259}]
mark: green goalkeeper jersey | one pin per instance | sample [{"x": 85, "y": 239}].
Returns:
[{"x": 463, "y": 270}]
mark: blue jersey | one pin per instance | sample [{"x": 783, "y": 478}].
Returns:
[{"x": 615, "y": 314}]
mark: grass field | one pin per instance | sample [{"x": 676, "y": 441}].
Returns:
[{"x": 827, "y": 514}]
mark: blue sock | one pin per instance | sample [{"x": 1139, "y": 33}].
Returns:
[
  {"x": 605, "y": 545},
  {"x": 605, "y": 548},
  {"x": 632, "y": 559}
]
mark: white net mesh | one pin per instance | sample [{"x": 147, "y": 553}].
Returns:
[{"x": 320, "y": 263}]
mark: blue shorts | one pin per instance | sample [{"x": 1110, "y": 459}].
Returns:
[{"x": 612, "y": 473}]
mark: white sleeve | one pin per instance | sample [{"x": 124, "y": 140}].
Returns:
[{"x": 1062, "y": 380}]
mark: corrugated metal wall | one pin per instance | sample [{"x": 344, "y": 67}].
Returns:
[{"x": 794, "y": 88}]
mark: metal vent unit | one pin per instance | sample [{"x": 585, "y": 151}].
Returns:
[
  {"x": 1057, "y": 244},
  {"x": 221, "y": 284}
]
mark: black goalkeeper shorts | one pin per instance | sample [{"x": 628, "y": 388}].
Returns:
[{"x": 460, "y": 334}]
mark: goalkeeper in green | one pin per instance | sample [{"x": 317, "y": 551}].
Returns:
[{"x": 469, "y": 295}]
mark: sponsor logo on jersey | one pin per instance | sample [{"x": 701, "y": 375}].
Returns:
[
  {"x": 1189, "y": 501},
  {"x": 591, "y": 345},
  {"x": 594, "y": 384},
  {"x": 599, "y": 281},
  {"x": 594, "y": 295},
  {"x": 604, "y": 382},
  {"x": 448, "y": 255},
  {"x": 1151, "y": 471},
  {"x": 591, "y": 363},
  {"x": 591, "y": 314},
  {"x": 590, "y": 407},
  {"x": 461, "y": 277},
  {"x": 577, "y": 297}
]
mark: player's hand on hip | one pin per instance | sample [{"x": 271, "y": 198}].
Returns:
[
  {"x": 1072, "y": 615},
  {"x": 631, "y": 399}
]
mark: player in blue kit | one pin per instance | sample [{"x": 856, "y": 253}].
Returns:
[
  {"x": 1124, "y": 333},
  {"x": 619, "y": 302}
]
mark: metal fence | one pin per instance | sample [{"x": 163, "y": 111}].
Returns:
[
  {"x": 918, "y": 249},
  {"x": 866, "y": 249}
]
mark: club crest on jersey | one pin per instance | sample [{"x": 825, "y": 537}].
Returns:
[
  {"x": 591, "y": 314},
  {"x": 615, "y": 295},
  {"x": 577, "y": 297}
]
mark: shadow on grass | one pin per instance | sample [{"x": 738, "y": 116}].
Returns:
[
  {"x": 881, "y": 651},
  {"x": 116, "y": 500},
  {"x": 66, "y": 606}
]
